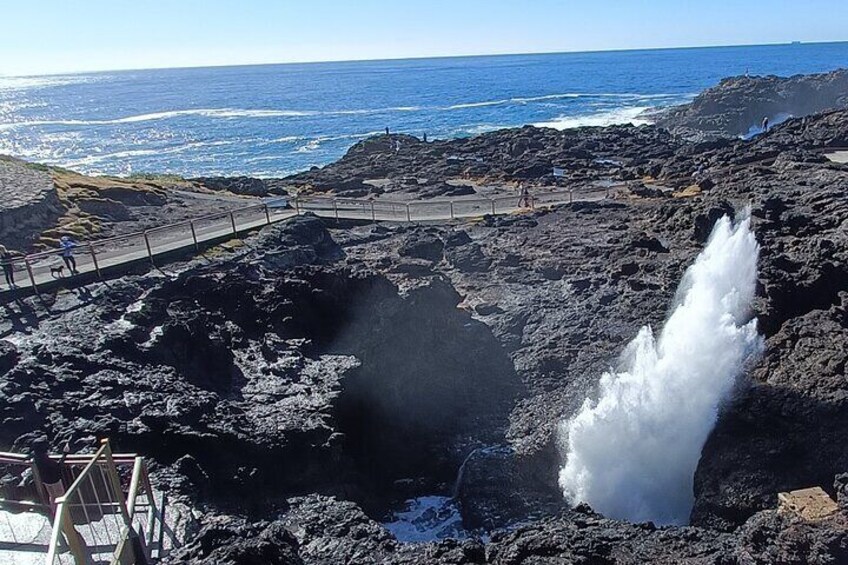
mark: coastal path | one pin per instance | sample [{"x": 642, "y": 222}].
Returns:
[{"x": 112, "y": 257}]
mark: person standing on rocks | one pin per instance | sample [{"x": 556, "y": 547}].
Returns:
[
  {"x": 765, "y": 124},
  {"x": 6, "y": 260},
  {"x": 67, "y": 245}
]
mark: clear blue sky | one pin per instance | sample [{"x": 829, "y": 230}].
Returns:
[{"x": 52, "y": 36}]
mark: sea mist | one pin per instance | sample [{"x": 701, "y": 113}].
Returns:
[{"x": 632, "y": 454}]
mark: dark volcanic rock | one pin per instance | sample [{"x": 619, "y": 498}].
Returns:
[
  {"x": 314, "y": 380},
  {"x": 8, "y": 356},
  {"x": 528, "y": 154},
  {"x": 230, "y": 541},
  {"x": 247, "y": 186},
  {"x": 427, "y": 247},
  {"x": 107, "y": 209},
  {"x": 736, "y": 104}
]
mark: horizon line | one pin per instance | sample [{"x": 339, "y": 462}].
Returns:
[{"x": 426, "y": 57}]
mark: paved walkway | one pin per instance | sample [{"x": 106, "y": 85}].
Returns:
[
  {"x": 24, "y": 537},
  {"x": 107, "y": 257},
  {"x": 838, "y": 156}
]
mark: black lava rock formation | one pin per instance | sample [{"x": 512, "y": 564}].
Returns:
[
  {"x": 738, "y": 103},
  {"x": 298, "y": 389}
]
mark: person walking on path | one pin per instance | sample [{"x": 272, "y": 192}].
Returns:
[
  {"x": 6, "y": 260},
  {"x": 524, "y": 200},
  {"x": 67, "y": 245}
]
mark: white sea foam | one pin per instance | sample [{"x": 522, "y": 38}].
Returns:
[
  {"x": 213, "y": 113},
  {"x": 565, "y": 95},
  {"x": 286, "y": 139},
  {"x": 242, "y": 113},
  {"x": 99, "y": 158},
  {"x": 225, "y": 113},
  {"x": 426, "y": 519},
  {"x": 628, "y": 115},
  {"x": 632, "y": 453},
  {"x": 311, "y": 145}
]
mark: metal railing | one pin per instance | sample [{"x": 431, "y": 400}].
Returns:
[
  {"x": 109, "y": 513},
  {"x": 95, "y": 520},
  {"x": 96, "y": 256}
]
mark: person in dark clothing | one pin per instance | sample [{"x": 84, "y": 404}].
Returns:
[
  {"x": 49, "y": 471},
  {"x": 765, "y": 124},
  {"x": 6, "y": 262}
]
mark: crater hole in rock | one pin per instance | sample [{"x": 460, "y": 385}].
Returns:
[
  {"x": 426, "y": 384},
  {"x": 432, "y": 381}
]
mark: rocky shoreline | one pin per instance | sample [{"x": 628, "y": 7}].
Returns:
[
  {"x": 298, "y": 389},
  {"x": 737, "y": 105}
]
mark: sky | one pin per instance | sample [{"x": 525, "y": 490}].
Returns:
[{"x": 58, "y": 36}]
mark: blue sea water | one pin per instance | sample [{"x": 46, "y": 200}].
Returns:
[{"x": 273, "y": 120}]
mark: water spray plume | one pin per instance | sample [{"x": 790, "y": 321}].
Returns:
[{"x": 632, "y": 454}]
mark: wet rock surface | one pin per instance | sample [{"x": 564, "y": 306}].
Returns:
[
  {"x": 301, "y": 388},
  {"x": 736, "y": 104}
]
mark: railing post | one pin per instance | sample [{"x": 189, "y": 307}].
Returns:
[
  {"x": 149, "y": 249},
  {"x": 162, "y": 522},
  {"x": 233, "y": 222},
  {"x": 493, "y": 207},
  {"x": 31, "y": 276},
  {"x": 194, "y": 235},
  {"x": 336, "y": 208},
  {"x": 115, "y": 479},
  {"x": 373, "y": 213},
  {"x": 267, "y": 215},
  {"x": 94, "y": 259},
  {"x": 134, "y": 482},
  {"x": 408, "y": 215},
  {"x": 451, "y": 209},
  {"x": 70, "y": 532}
]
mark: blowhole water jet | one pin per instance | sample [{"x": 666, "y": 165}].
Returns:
[{"x": 632, "y": 454}]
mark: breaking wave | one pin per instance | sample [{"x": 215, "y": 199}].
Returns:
[
  {"x": 631, "y": 115},
  {"x": 241, "y": 113}
]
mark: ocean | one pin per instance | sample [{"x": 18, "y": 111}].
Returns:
[{"x": 274, "y": 120}]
